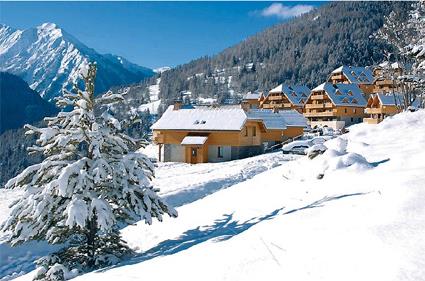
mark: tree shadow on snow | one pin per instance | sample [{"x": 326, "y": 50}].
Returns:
[
  {"x": 221, "y": 230},
  {"x": 376, "y": 164}
]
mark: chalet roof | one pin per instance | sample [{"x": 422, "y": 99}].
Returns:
[
  {"x": 389, "y": 99},
  {"x": 225, "y": 118},
  {"x": 343, "y": 94},
  {"x": 251, "y": 96},
  {"x": 194, "y": 140},
  {"x": 202, "y": 118},
  {"x": 293, "y": 118},
  {"x": 296, "y": 94},
  {"x": 271, "y": 121},
  {"x": 356, "y": 74}
]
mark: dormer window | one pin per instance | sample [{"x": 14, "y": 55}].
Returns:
[
  {"x": 345, "y": 100},
  {"x": 203, "y": 121},
  {"x": 350, "y": 93},
  {"x": 196, "y": 122}
]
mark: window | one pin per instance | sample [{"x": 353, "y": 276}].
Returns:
[
  {"x": 194, "y": 152},
  {"x": 352, "y": 119},
  {"x": 254, "y": 131},
  {"x": 359, "y": 119},
  {"x": 354, "y": 110},
  {"x": 345, "y": 110},
  {"x": 219, "y": 152},
  {"x": 246, "y": 131}
]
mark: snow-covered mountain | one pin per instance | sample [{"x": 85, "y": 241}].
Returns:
[{"x": 48, "y": 59}]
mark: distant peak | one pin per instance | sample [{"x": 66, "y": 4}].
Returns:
[{"x": 48, "y": 25}]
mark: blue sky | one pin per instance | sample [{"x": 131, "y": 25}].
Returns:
[{"x": 154, "y": 34}]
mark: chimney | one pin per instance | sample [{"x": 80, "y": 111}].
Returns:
[
  {"x": 177, "y": 104},
  {"x": 245, "y": 106}
]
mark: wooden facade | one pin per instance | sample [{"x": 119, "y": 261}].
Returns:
[
  {"x": 321, "y": 110},
  {"x": 379, "y": 107},
  {"x": 253, "y": 134},
  {"x": 286, "y": 97},
  {"x": 360, "y": 76},
  {"x": 216, "y": 134},
  {"x": 279, "y": 101}
]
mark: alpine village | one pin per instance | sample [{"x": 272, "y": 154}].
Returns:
[{"x": 244, "y": 141}]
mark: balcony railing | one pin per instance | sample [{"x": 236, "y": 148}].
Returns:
[
  {"x": 319, "y": 105},
  {"x": 372, "y": 120},
  {"x": 318, "y": 97},
  {"x": 320, "y": 114}
]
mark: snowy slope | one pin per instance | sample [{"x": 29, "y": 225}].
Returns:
[
  {"x": 48, "y": 58},
  {"x": 364, "y": 220}
]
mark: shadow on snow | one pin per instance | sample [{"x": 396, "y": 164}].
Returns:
[{"x": 223, "y": 229}]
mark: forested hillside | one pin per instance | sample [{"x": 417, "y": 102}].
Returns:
[{"x": 303, "y": 50}]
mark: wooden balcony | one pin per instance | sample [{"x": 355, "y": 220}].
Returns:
[
  {"x": 275, "y": 97},
  {"x": 372, "y": 120},
  {"x": 337, "y": 77},
  {"x": 319, "y": 105},
  {"x": 373, "y": 111},
  {"x": 320, "y": 114},
  {"x": 318, "y": 97}
]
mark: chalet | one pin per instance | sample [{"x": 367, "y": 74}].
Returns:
[
  {"x": 379, "y": 106},
  {"x": 286, "y": 97},
  {"x": 335, "y": 105},
  {"x": 251, "y": 100},
  {"x": 385, "y": 77},
  {"x": 360, "y": 76},
  {"x": 197, "y": 134}
]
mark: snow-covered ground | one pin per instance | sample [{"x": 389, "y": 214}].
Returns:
[
  {"x": 264, "y": 218},
  {"x": 155, "y": 102}
]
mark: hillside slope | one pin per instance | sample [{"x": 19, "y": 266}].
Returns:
[
  {"x": 363, "y": 221},
  {"x": 19, "y": 104},
  {"x": 48, "y": 59},
  {"x": 303, "y": 50}
]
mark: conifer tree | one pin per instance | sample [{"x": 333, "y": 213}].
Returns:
[{"x": 91, "y": 183}]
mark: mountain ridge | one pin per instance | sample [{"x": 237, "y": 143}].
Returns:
[{"x": 48, "y": 58}]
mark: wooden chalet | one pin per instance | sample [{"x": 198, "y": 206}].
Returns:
[
  {"x": 335, "y": 105},
  {"x": 385, "y": 77},
  {"x": 379, "y": 106},
  {"x": 286, "y": 97},
  {"x": 360, "y": 76},
  {"x": 197, "y": 134},
  {"x": 251, "y": 100}
]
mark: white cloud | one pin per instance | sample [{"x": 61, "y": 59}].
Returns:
[{"x": 284, "y": 12}]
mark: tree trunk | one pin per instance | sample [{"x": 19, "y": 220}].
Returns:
[{"x": 91, "y": 241}]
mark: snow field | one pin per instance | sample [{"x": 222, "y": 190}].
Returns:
[{"x": 364, "y": 220}]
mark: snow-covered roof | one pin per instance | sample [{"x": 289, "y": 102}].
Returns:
[
  {"x": 196, "y": 140},
  {"x": 389, "y": 99},
  {"x": 356, "y": 74},
  {"x": 278, "y": 120},
  {"x": 251, "y": 96},
  {"x": 343, "y": 94},
  {"x": 296, "y": 94},
  {"x": 225, "y": 118},
  {"x": 271, "y": 120},
  {"x": 202, "y": 118},
  {"x": 293, "y": 118}
]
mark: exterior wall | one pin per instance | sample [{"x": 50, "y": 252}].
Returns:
[
  {"x": 240, "y": 152},
  {"x": 174, "y": 153},
  {"x": 375, "y": 115},
  {"x": 336, "y": 125},
  {"x": 213, "y": 153},
  {"x": 320, "y": 111}
]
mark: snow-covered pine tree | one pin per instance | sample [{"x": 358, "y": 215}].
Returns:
[{"x": 91, "y": 183}]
